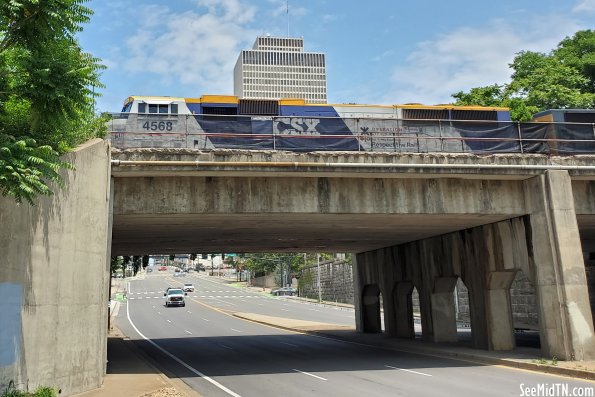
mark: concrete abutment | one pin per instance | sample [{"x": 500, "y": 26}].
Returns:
[{"x": 543, "y": 245}]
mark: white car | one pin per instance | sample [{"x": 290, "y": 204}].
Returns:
[
  {"x": 188, "y": 287},
  {"x": 174, "y": 297}
]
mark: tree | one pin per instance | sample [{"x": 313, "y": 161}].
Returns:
[
  {"x": 564, "y": 78},
  {"x": 47, "y": 93},
  {"x": 145, "y": 261},
  {"x": 136, "y": 264},
  {"x": 116, "y": 264},
  {"x": 125, "y": 261}
]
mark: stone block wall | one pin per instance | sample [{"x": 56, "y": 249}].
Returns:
[{"x": 336, "y": 282}]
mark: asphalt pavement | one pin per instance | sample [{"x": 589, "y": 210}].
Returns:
[{"x": 215, "y": 350}]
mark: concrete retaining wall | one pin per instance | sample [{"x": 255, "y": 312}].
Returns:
[{"x": 54, "y": 280}]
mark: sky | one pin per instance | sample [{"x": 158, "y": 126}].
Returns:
[{"x": 377, "y": 52}]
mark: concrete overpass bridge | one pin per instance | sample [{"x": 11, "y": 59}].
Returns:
[
  {"x": 414, "y": 220},
  {"x": 418, "y": 221}
]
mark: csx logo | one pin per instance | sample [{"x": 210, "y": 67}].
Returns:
[{"x": 297, "y": 126}]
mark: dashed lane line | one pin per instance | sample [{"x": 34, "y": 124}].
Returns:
[
  {"x": 408, "y": 370},
  {"x": 309, "y": 374},
  {"x": 175, "y": 358}
]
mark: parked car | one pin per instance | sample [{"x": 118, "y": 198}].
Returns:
[
  {"x": 162, "y": 268},
  {"x": 174, "y": 297},
  {"x": 188, "y": 287},
  {"x": 284, "y": 291}
]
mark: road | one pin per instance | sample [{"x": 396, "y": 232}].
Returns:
[{"x": 218, "y": 354}]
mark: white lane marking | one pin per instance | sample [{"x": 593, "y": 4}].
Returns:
[
  {"x": 188, "y": 367},
  {"x": 225, "y": 303},
  {"x": 169, "y": 321},
  {"x": 236, "y": 330},
  {"x": 129, "y": 289},
  {"x": 206, "y": 320},
  {"x": 227, "y": 347},
  {"x": 188, "y": 332},
  {"x": 309, "y": 374},
  {"x": 285, "y": 310},
  {"x": 189, "y": 312},
  {"x": 289, "y": 344},
  {"x": 155, "y": 297},
  {"x": 130, "y": 298},
  {"x": 158, "y": 312},
  {"x": 408, "y": 370}
]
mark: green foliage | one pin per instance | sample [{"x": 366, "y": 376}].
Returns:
[
  {"x": 564, "y": 78},
  {"x": 47, "y": 91},
  {"x": 268, "y": 262},
  {"x": 116, "y": 264},
  {"x": 11, "y": 391},
  {"x": 136, "y": 264},
  {"x": 25, "y": 167}
]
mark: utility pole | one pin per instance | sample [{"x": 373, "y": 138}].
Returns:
[{"x": 319, "y": 287}]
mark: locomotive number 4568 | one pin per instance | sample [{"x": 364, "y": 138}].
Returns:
[{"x": 158, "y": 125}]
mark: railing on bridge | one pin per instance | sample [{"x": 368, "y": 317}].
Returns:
[{"x": 130, "y": 130}]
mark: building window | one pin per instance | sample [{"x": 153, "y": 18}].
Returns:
[{"x": 142, "y": 107}]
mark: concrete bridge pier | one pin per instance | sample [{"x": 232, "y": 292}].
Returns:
[
  {"x": 565, "y": 318},
  {"x": 544, "y": 244}
]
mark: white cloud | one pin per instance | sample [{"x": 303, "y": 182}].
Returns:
[
  {"x": 192, "y": 48},
  {"x": 584, "y": 6},
  {"x": 470, "y": 57}
]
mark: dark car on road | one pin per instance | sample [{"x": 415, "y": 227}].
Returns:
[{"x": 284, "y": 291}]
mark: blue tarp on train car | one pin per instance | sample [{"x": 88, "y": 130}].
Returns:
[
  {"x": 488, "y": 137},
  {"x": 237, "y": 132},
  {"x": 312, "y": 133}
]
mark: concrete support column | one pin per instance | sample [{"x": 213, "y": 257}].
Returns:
[
  {"x": 499, "y": 311},
  {"x": 403, "y": 310},
  {"x": 356, "y": 261},
  {"x": 371, "y": 309},
  {"x": 444, "y": 318},
  {"x": 566, "y": 324}
]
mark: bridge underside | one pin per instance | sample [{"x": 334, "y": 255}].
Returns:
[{"x": 176, "y": 233}]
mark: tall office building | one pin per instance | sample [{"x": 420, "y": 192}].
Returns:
[{"x": 278, "y": 67}]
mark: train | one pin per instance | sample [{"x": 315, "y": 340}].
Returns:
[{"x": 225, "y": 121}]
